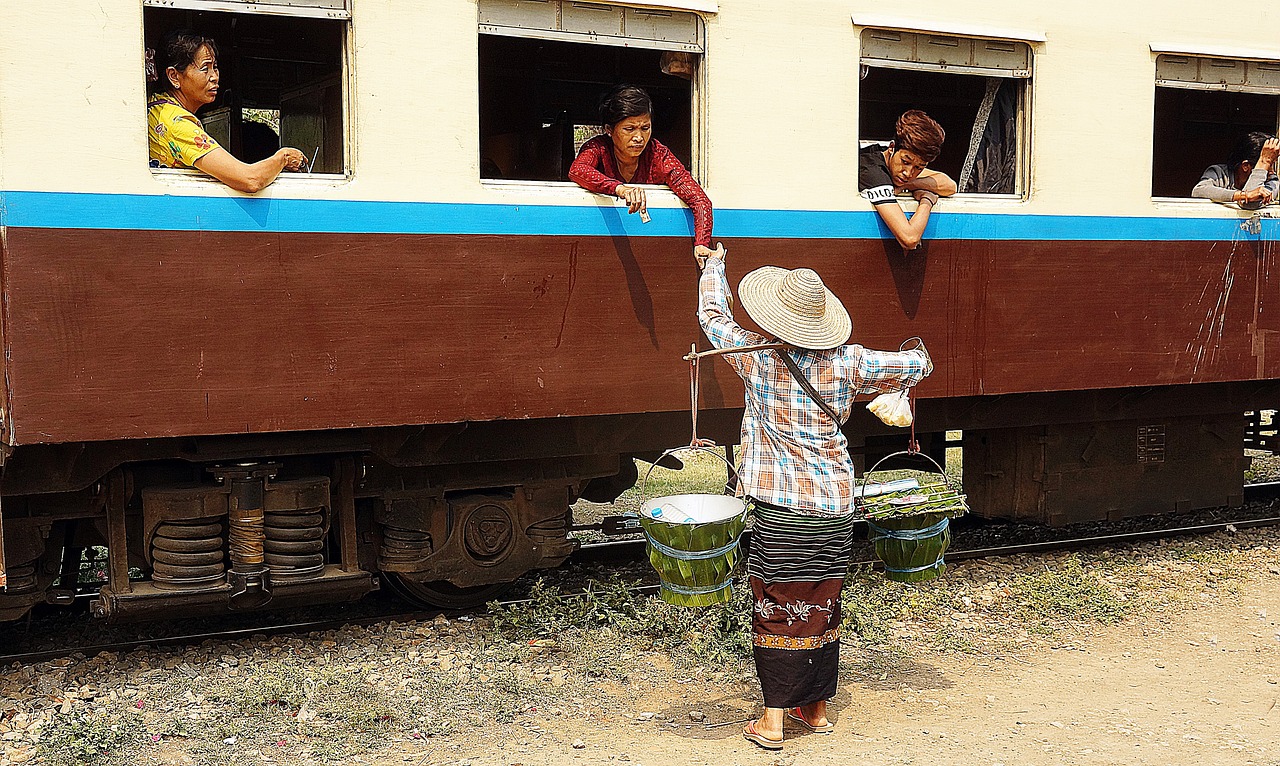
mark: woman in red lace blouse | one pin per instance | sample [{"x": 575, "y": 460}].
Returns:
[{"x": 627, "y": 155}]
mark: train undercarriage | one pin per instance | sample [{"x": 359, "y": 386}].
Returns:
[{"x": 448, "y": 515}]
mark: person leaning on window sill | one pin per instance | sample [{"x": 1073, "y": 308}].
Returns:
[
  {"x": 1248, "y": 176},
  {"x": 627, "y": 155},
  {"x": 901, "y": 166},
  {"x": 187, "y": 79}
]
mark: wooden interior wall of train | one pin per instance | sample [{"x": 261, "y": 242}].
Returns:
[{"x": 412, "y": 360}]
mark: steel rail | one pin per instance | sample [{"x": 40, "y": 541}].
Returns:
[{"x": 629, "y": 546}]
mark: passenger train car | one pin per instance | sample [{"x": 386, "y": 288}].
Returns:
[{"x": 407, "y": 363}]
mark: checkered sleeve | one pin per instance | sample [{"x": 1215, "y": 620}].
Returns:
[
  {"x": 878, "y": 372},
  {"x": 716, "y": 317}
]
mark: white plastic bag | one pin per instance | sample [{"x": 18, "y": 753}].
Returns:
[{"x": 893, "y": 408}]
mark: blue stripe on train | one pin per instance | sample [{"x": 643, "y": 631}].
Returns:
[{"x": 64, "y": 210}]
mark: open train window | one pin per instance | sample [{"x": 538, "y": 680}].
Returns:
[
  {"x": 545, "y": 63},
  {"x": 1203, "y": 107},
  {"x": 281, "y": 65},
  {"x": 975, "y": 88}
]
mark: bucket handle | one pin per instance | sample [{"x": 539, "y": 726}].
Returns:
[
  {"x": 644, "y": 483},
  {"x": 866, "y": 477}
]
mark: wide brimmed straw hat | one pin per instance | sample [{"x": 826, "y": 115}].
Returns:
[{"x": 796, "y": 307}]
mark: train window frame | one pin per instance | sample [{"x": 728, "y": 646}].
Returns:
[
  {"x": 978, "y": 52},
  {"x": 336, "y": 11},
  {"x": 538, "y": 26},
  {"x": 1209, "y": 70}
]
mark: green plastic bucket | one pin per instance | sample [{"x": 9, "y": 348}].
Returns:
[{"x": 693, "y": 542}]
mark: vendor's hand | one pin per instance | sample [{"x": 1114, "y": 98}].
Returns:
[
  {"x": 928, "y": 360},
  {"x": 920, "y": 349},
  {"x": 1267, "y": 158},
  {"x": 924, "y": 194},
  {"x": 701, "y": 253},
  {"x": 634, "y": 197},
  {"x": 294, "y": 160}
]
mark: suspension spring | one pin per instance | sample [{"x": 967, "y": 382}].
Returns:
[
  {"x": 295, "y": 543},
  {"x": 22, "y": 578},
  {"x": 403, "y": 546},
  {"x": 188, "y": 553}
]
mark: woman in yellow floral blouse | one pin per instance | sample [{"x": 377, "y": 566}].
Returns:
[{"x": 187, "y": 79}]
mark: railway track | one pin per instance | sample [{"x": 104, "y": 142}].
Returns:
[{"x": 634, "y": 549}]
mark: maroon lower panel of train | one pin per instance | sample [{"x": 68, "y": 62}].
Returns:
[{"x": 246, "y": 420}]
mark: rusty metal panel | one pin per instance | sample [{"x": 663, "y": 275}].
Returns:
[
  {"x": 1151, "y": 443},
  {"x": 1063, "y": 474}
]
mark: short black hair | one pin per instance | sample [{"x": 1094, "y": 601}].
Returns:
[
  {"x": 1249, "y": 149},
  {"x": 623, "y": 101},
  {"x": 178, "y": 49}
]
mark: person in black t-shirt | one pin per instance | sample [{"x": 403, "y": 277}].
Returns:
[{"x": 900, "y": 166}]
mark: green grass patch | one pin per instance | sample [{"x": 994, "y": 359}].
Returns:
[
  {"x": 1068, "y": 591},
  {"x": 713, "y": 636},
  {"x": 91, "y": 738}
]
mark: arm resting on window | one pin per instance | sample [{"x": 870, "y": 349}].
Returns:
[
  {"x": 585, "y": 171},
  {"x": 931, "y": 180},
  {"x": 908, "y": 232},
  {"x": 248, "y": 178},
  {"x": 1207, "y": 189}
]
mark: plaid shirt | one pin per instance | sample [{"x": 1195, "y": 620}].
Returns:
[{"x": 792, "y": 454}]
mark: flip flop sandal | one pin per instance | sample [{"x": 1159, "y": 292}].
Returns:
[
  {"x": 750, "y": 734},
  {"x": 795, "y": 715}
]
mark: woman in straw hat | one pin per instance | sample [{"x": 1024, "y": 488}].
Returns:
[{"x": 798, "y": 475}]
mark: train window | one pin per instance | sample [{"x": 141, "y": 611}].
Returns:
[
  {"x": 975, "y": 88},
  {"x": 1203, "y": 107},
  {"x": 282, "y": 73},
  {"x": 545, "y": 63}
]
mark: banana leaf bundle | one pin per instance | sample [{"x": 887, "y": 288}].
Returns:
[
  {"x": 911, "y": 529},
  {"x": 695, "y": 561}
]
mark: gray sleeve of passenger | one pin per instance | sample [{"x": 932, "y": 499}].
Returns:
[
  {"x": 1207, "y": 189},
  {"x": 1257, "y": 178}
]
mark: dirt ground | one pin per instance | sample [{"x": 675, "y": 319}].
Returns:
[{"x": 1198, "y": 688}]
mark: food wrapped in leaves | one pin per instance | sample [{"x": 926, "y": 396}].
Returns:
[{"x": 911, "y": 529}]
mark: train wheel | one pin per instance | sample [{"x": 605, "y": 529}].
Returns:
[{"x": 443, "y": 595}]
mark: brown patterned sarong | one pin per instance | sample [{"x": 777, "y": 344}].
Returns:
[{"x": 796, "y": 566}]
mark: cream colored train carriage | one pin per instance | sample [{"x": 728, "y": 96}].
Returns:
[{"x": 411, "y": 360}]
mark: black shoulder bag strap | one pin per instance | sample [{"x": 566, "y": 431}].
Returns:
[{"x": 807, "y": 386}]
